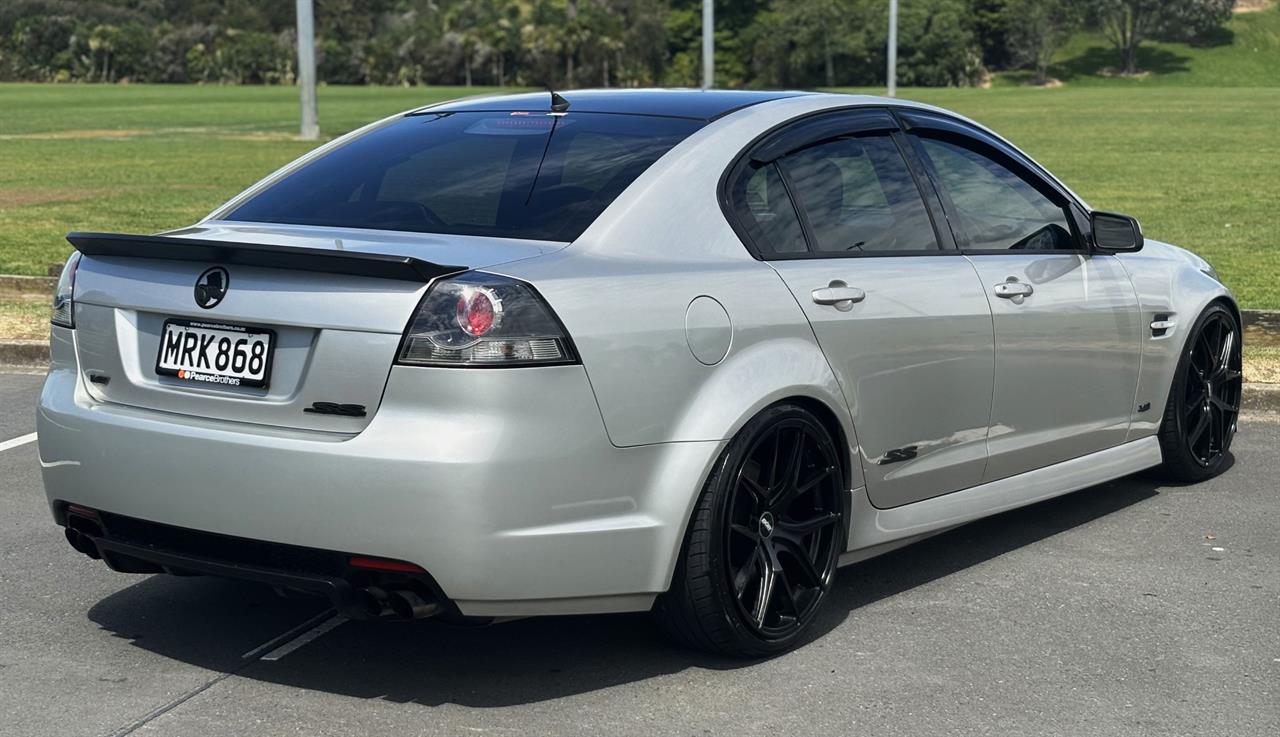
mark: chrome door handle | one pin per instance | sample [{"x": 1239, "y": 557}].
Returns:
[
  {"x": 839, "y": 295},
  {"x": 1013, "y": 289}
]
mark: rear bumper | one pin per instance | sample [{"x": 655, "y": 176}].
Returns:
[
  {"x": 502, "y": 484},
  {"x": 133, "y": 546}
]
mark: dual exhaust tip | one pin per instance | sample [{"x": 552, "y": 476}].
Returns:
[
  {"x": 379, "y": 603},
  {"x": 83, "y": 543}
]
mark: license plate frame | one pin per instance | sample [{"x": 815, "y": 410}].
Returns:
[{"x": 212, "y": 376}]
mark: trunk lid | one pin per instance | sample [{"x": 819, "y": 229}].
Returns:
[{"x": 336, "y": 300}]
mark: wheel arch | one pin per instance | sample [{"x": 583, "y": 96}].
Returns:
[
  {"x": 1228, "y": 301},
  {"x": 832, "y": 420},
  {"x": 831, "y": 423},
  {"x": 1183, "y": 459},
  {"x": 1171, "y": 283}
]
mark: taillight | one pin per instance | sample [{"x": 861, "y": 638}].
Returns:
[
  {"x": 479, "y": 319},
  {"x": 384, "y": 564},
  {"x": 63, "y": 303},
  {"x": 479, "y": 311}
]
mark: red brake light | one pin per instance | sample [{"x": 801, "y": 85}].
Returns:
[
  {"x": 383, "y": 564},
  {"x": 79, "y": 511},
  {"x": 478, "y": 311}
]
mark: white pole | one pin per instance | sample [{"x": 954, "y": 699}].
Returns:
[
  {"x": 892, "y": 71},
  {"x": 708, "y": 44},
  {"x": 307, "y": 70}
]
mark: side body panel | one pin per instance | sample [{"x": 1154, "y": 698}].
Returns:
[
  {"x": 1067, "y": 358},
  {"x": 634, "y": 344},
  {"x": 914, "y": 359},
  {"x": 1174, "y": 284}
]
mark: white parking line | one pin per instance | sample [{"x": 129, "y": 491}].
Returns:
[
  {"x": 290, "y": 634},
  {"x": 22, "y": 440},
  {"x": 305, "y": 637}
]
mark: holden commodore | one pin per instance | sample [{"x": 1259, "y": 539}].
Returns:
[{"x": 613, "y": 351}]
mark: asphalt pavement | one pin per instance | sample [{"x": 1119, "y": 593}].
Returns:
[{"x": 1131, "y": 608}]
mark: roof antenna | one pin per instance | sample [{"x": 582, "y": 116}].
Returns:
[{"x": 558, "y": 103}]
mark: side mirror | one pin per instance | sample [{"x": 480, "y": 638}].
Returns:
[{"x": 1114, "y": 232}]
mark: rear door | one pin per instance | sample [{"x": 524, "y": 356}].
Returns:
[
  {"x": 1067, "y": 324},
  {"x": 832, "y": 204}
]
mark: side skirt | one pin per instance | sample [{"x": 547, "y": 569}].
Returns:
[
  {"x": 608, "y": 604},
  {"x": 874, "y": 531}
]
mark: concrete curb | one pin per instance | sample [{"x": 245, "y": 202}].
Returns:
[
  {"x": 1267, "y": 319},
  {"x": 1261, "y": 325},
  {"x": 1260, "y": 398},
  {"x": 27, "y": 284},
  {"x": 25, "y": 354}
]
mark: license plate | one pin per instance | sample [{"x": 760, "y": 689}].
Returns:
[{"x": 215, "y": 353}]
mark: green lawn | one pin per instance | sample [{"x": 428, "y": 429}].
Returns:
[{"x": 1198, "y": 165}]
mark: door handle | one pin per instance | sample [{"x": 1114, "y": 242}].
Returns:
[
  {"x": 839, "y": 295},
  {"x": 1013, "y": 289}
]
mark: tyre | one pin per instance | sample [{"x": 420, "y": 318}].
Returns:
[
  {"x": 762, "y": 545},
  {"x": 1204, "y": 399}
]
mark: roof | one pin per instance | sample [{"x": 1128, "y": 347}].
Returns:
[{"x": 672, "y": 103}]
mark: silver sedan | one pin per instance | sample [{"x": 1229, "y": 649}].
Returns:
[{"x": 616, "y": 351}]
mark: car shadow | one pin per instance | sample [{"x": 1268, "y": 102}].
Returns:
[{"x": 201, "y": 622}]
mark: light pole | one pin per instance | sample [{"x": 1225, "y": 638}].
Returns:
[
  {"x": 307, "y": 70},
  {"x": 892, "y": 71},
  {"x": 708, "y": 44}
]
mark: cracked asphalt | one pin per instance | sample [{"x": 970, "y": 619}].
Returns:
[{"x": 1131, "y": 608}]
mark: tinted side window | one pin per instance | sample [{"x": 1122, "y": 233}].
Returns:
[
  {"x": 859, "y": 196},
  {"x": 997, "y": 209},
  {"x": 764, "y": 208}
]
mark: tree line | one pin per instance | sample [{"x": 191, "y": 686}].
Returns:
[{"x": 572, "y": 43}]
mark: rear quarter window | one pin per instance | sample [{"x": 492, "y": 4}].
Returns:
[{"x": 512, "y": 175}]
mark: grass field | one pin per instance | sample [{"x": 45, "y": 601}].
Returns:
[{"x": 1198, "y": 165}]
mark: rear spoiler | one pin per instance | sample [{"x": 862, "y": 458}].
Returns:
[{"x": 324, "y": 260}]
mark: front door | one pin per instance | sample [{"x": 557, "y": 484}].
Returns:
[
  {"x": 1068, "y": 329},
  {"x": 901, "y": 316}
]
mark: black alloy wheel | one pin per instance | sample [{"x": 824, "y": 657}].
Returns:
[
  {"x": 1204, "y": 401},
  {"x": 766, "y": 535},
  {"x": 781, "y": 520}
]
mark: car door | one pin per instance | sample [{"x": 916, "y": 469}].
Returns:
[
  {"x": 833, "y": 205},
  {"x": 1067, "y": 323}
]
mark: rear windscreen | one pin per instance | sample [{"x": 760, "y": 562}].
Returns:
[{"x": 509, "y": 175}]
